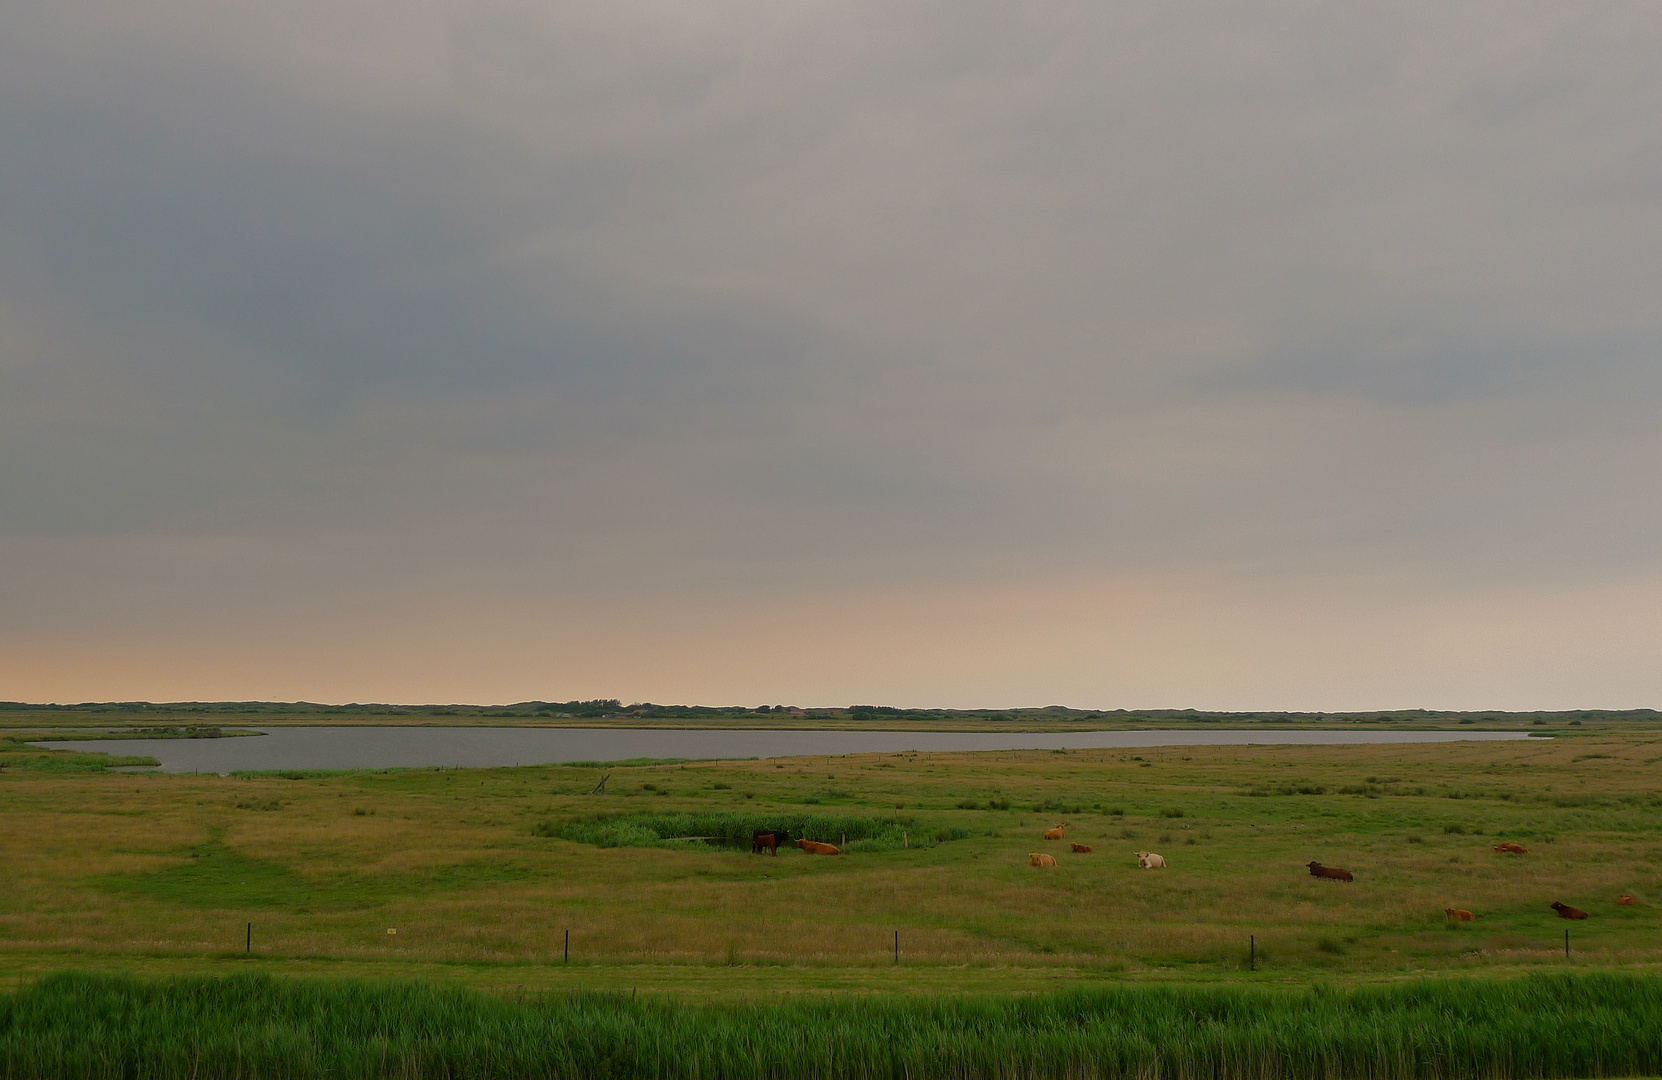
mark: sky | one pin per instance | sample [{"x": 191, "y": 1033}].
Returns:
[{"x": 1238, "y": 356}]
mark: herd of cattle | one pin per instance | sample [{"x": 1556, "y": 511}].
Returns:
[
  {"x": 770, "y": 841},
  {"x": 1147, "y": 860}
]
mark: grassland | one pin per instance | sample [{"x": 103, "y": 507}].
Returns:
[
  {"x": 162, "y": 875},
  {"x": 253, "y": 1026}
]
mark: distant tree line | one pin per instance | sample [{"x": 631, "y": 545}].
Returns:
[{"x": 614, "y": 708}]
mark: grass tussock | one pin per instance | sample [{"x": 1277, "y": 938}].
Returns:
[{"x": 77, "y": 1025}]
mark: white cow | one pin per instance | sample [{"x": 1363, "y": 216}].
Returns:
[{"x": 1149, "y": 861}]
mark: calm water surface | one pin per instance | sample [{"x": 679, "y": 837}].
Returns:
[{"x": 485, "y": 747}]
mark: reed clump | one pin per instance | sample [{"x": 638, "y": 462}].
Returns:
[
  {"x": 735, "y": 828},
  {"x": 80, "y": 1025}
]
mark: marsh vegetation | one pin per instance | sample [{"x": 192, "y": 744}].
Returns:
[{"x": 247, "y": 1026}]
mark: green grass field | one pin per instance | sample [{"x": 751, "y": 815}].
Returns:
[{"x": 478, "y": 876}]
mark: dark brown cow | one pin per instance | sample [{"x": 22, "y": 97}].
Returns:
[
  {"x": 1565, "y": 911},
  {"x": 764, "y": 840},
  {"x": 1318, "y": 870},
  {"x": 1082, "y": 849}
]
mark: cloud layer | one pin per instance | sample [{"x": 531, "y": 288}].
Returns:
[{"x": 1281, "y": 355}]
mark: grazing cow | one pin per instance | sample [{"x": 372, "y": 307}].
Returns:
[
  {"x": 1318, "y": 870},
  {"x": 1626, "y": 899},
  {"x": 1459, "y": 914},
  {"x": 1039, "y": 859},
  {"x": 1082, "y": 849},
  {"x": 814, "y": 847},
  {"x": 1150, "y": 861},
  {"x": 1054, "y": 834},
  {"x": 1565, "y": 911},
  {"x": 1507, "y": 847},
  {"x": 764, "y": 840}
]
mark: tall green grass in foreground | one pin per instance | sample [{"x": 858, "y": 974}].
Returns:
[{"x": 76, "y": 1025}]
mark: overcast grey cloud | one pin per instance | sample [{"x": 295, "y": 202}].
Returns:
[{"x": 1299, "y": 355}]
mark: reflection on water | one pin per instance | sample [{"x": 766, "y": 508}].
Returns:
[{"x": 481, "y": 747}]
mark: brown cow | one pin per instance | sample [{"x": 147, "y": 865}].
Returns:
[
  {"x": 1083, "y": 849},
  {"x": 1626, "y": 899},
  {"x": 814, "y": 847},
  {"x": 1054, "y": 834},
  {"x": 1507, "y": 847},
  {"x": 1459, "y": 914},
  {"x": 1318, "y": 870},
  {"x": 1035, "y": 858},
  {"x": 764, "y": 842},
  {"x": 1565, "y": 911}
]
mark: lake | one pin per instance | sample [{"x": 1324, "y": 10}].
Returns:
[{"x": 482, "y": 747}]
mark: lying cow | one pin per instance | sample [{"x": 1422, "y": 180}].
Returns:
[
  {"x": 1054, "y": 834},
  {"x": 1459, "y": 914},
  {"x": 1038, "y": 859},
  {"x": 1565, "y": 911},
  {"x": 1082, "y": 849},
  {"x": 1150, "y": 861},
  {"x": 1626, "y": 899},
  {"x": 1507, "y": 847},
  {"x": 1318, "y": 870},
  {"x": 814, "y": 847}
]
